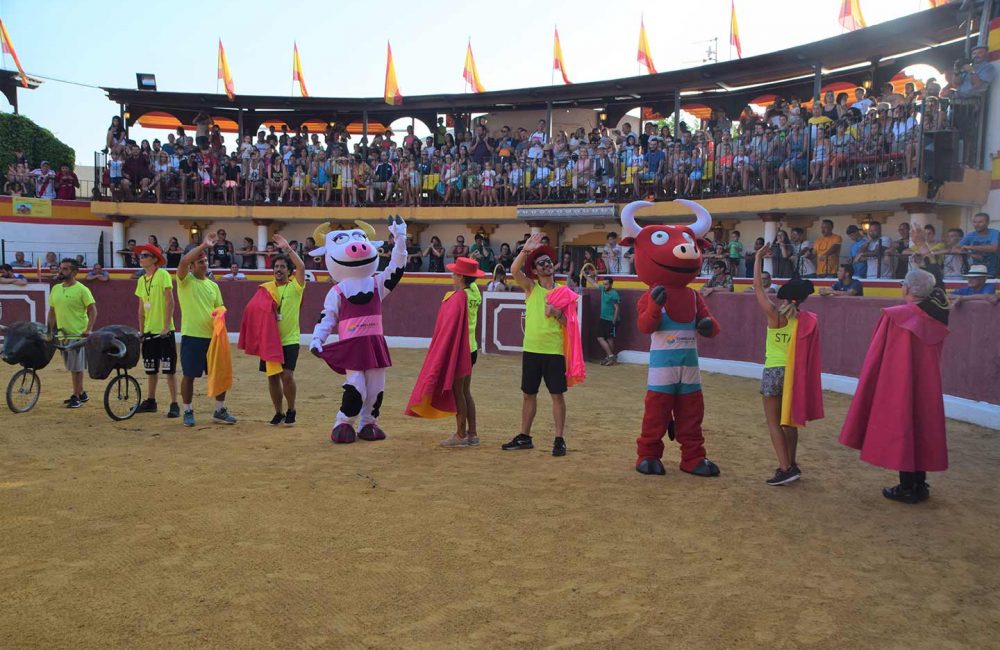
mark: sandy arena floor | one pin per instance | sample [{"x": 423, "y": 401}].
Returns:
[{"x": 147, "y": 534}]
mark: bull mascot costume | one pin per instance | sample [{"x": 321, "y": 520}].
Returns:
[
  {"x": 667, "y": 258},
  {"x": 354, "y": 307}
]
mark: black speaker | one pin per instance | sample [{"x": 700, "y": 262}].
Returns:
[{"x": 941, "y": 157}]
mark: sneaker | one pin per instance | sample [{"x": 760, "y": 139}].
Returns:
[
  {"x": 222, "y": 416},
  {"x": 903, "y": 494},
  {"x": 189, "y": 418},
  {"x": 174, "y": 411},
  {"x": 290, "y": 418},
  {"x": 606, "y": 360},
  {"x": 148, "y": 405},
  {"x": 277, "y": 419},
  {"x": 472, "y": 440},
  {"x": 796, "y": 471},
  {"x": 559, "y": 446},
  {"x": 73, "y": 402},
  {"x": 782, "y": 477},
  {"x": 84, "y": 398},
  {"x": 520, "y": 441},
  {"x": 68, "y": 400},
  {"x": 454, "y": 441},
  {"x": 267, "y": 199},
  {"x": 280, "y": 199}
]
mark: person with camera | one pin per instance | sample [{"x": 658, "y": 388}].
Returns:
[{"x": 973, "y": 76}]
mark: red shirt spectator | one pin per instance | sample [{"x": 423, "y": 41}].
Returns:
[{"x": 66, "y": 183}]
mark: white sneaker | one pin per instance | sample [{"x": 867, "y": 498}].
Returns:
[
  {"x": 267, "y": 199},
  {"x": 454, "y": 441},
  {"x": 279, "y": 199}
]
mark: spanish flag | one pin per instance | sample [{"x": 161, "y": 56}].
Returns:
[
  {"x": 224, "y": 74},
  {"x": 850, "y": 15},
  {"x": 557, "y": 59},
  {"x": 392, "y": 94},
  {"x": 297, "y": 70},
  {"x": 470, "y": 73},
  {"x": 802, "y": 393},
  {"x": 645, "y": 57},
  {"x": 734, "y": 31},
  {"x": 8, "y": 48}
]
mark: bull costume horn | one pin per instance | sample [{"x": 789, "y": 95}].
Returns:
[
  {"x": 703, "y": 223},
  {"x": 367, "y": 228},
  {"x": 629, "y": 227},
  {"x": 319, "y": 235}
]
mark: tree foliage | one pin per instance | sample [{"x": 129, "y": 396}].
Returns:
[{"x": 19, "y": 133}]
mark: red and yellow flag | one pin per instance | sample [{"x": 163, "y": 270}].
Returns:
[
  {"x": 8, "y": 48},
  {"x": 934, "y": 4},
  {"x": 392, "y": 94},
  {"x": 470, "y": 73},
  {"x": 224, "y": 74},
  {"x": 645, "y": 57},
  {"x": 557, "y": 59},
  {"x": 297, "y": 70},
  {"x": 850, "y": 15},
  {"x": 734, "y": 30}
]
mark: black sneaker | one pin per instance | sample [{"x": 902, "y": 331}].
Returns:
[
  {"x": 148, "y": 405},
  {"x": 174, "y": 411},
  {"x": 277, "y": 419},
  {"x": 68, "y": 400},
  {"x": 74, "y": 402},
  {"x": 290, "y": 418},
  {"x": 84, "y": 398},
  {"x": 783, "y": 477},
  {"x": 795, "y": 470},
  {"x": 559, "y": 447},
  {"x": 902, "y": 494},
  {"x": 520, "y": 441}
]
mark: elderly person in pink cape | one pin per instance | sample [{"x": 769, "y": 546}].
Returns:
[{"x": 896, "y": 418}]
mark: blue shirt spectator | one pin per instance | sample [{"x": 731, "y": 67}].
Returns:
[
  {"x": 854, "y": 287},
  {"x": 845, "y": 285},
  {"x": 984, "y": 290},
  {"x": 982, "y": 244},
  {"x": 858, "y": 243},
  {"x": 654, "y": 159},
  {"x": 976, "y": 77}
]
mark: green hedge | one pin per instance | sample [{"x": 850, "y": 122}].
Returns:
[{"x": 19, "y": 133}]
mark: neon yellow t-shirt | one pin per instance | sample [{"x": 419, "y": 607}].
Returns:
[
  {"x": 70, "y": 304},
  {"x": 152, "y": 295},
  {"x": 197, "y": 299},
  {"x": 542, "y": 335},
  {"x": 473, "y": 298},
  {"x": 776, "y": 345},
  {"x": 289, "y": 299}
]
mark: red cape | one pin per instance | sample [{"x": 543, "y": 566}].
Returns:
[
  {"x": 259, "y": 334},
  {"x": 447, "y": 359},
  {"x": 896, "y": 417},
  {"x": 803, "y": 381}
]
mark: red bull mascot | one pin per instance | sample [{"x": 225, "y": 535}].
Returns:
[{"x": 667, "y": 258}]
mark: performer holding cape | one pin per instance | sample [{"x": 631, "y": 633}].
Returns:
[
  {"x": 791, "y": 385},
  {"x": 444, "y": 386}
]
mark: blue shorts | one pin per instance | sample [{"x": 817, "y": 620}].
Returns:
[
  {"x": 648, "y": 176},
  {"x": 194, "y": 356}
]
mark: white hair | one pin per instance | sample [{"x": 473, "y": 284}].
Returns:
[{"x": 919, "y": 283}]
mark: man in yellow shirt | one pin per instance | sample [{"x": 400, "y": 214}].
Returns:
[
  {"x": 72, "y": 310},
  {"x": 827, "y": 249},
  {"x": 155, "y": 291},
  {"x": 198, "y": 296},
  {"x": 534, "y": 271},
  {"x": 287, "y": 288}
]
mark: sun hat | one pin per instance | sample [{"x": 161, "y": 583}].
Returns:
[
  {"x": 152, "y": 250},
  {"x": 535, "y": 254},
  {"x": 977, "y": 271},
  {"x": 467, "y": 267}
]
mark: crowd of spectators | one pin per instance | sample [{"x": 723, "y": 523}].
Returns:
[{"x": 42, "y": 182}]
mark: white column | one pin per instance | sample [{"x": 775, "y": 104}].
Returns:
[
  {"x": 117, "y": 242},
  {"x": 770, "y": 232},
  {"x": 261, "y": 244}
]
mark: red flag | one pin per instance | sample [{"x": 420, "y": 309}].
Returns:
[
  {"x": 297, "y": 70},
  {"x": 224, "y": 74},
  {"x": 392, "y": 94},
  {"x": 557, "y": 59},
  {"x": 850, "y": 15},
  {"x": 8, "y": 48},
  {"x": 470, "y": 73},
  {"x": 734, "y": 30},
  {"x": 645, "y": 57}
]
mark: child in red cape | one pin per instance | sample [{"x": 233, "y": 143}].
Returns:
[{"x": 444, "y": 386}]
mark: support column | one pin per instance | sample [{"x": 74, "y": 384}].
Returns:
[
  {"x": 262, "y": 235},
  {"x": 537, "y": 226},
  {"x": 548, "y": 121},
  {"x": 817, "y": 80},
  {"x": 922, "y": 214},
  {"x": 771, "y": 221},
  {"x": 677, "y": 113},
  {"x": 117, "y": 238}
]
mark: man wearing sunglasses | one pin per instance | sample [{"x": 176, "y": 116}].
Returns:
[{"x": 534, "y": 271}]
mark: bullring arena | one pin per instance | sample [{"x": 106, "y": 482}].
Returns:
[{"x": 872, "y": 155}]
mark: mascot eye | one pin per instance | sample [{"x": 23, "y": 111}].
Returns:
[
  {"x": 341, "y": 239},
  {"x": 358, "y": 236},
  {"x": 660, "y": 238}
]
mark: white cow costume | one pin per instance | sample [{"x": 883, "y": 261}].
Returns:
[{"x": 354, "y": 307}]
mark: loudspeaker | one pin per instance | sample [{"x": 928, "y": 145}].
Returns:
[{"x": 941, "y": 157}]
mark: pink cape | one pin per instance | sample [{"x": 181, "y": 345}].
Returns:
[
  {"x": 259, "y": 334},
  {"x": 804, "y": 378},
  {"x": 896, "y": 417},
  {"x": 448, "y": 358},
  {"x": 565, "y": 299}
]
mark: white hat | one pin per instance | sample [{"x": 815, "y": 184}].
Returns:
[{"x": 977, "y": 271}]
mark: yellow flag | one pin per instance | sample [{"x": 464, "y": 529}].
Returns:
[
  {"x": 470, "y": 73},
  {"x": 8, "y": 48},
  {"x": 645, "y": 57},
  {"x": 224, "y": 74},
  {"x": 392, "y": 94},
  {"x": 557, "y": 59},
  {"x": 734, "y": 30},
  {"x": 297, "y": 70},
  {"x": 850, "y": 15}
]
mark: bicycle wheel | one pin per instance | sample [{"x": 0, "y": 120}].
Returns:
[
  {"x": 122, "y": 397},
  {"x": 23, "y": 390}
]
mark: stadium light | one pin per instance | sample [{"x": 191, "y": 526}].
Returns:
[{"x": 145, "y": 81}]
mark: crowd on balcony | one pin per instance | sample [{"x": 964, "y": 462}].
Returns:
[{"x": 43, "y": 182}]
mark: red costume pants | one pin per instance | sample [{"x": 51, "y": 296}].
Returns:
[{"x": 687, "y": 411}]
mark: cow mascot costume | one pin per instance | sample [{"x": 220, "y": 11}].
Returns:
[
  {"x": 667, "y": 258},
  {"x": 354, "y": 307}
]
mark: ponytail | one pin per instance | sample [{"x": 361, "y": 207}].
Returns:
[{"x": 789, "y": 310}]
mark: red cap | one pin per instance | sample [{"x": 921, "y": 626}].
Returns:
[{"x": 467, "y": 267}]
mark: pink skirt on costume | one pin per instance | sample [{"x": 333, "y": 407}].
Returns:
[{"x": 356, "y": 353}]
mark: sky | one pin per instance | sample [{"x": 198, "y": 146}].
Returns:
[{"x": 342, "y": 45}]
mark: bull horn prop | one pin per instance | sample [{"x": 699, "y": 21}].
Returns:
[
  {"x": 629, "y": 227},
  {"x": 367, "y": 228},
  {"x": 319, "y": 235},
  {"x": 702, "y": 224}
]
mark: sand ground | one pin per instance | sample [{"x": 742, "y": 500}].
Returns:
[{"x": 147, "y": 534}]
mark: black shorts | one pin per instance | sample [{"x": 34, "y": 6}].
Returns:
[
  {"x": 194, "y": 356},
  {"x": 535, "y": 367},
  {"x": 159, "y": 351},
  {"x": 605, "y": 329},
  {"x": 291, "y": 358},
  {"x": 475, "y": 355}
]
